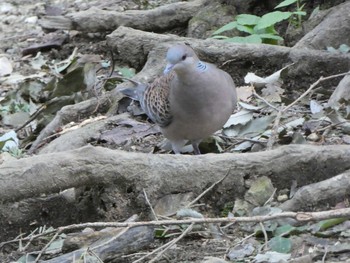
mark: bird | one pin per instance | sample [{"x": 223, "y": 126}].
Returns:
[{"x": 191, "y": 101}]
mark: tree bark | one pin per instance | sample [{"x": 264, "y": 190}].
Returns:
[
  {"x": 165, "y": 174},
  {"x": 97, "y": 20},
  {"x": 133, "y": 46}
]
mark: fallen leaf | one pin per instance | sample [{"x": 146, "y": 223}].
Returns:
[
  {"x": 272, "y": 92},
  {"x": 240, "y": 252},
  {"x": 249, "y": 106},
  {"x": 315, "y": 107},
  {"x": 38, "y": 61},
  {"x": 252, "y": 128},
  {"x": 10, "y": 141},
  {"x": 260, "y": 82},
  {"x": 272, "y": 257},
  {"x": 127, "y": 130},
  {"x": 244, "y": 93},
  {"x": 241, "y": 117},
  {"x": 292, "y": 124},
  {"x": 244, "y": 146},
  {"x": 17, "y": 78},
  {"x": 5, "y": 66},
  {"x": 280, "y": 244}
]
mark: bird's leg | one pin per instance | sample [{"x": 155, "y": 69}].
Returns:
[
  {"x": 177, "y": 146},
  {"x": 195, "y": 145}
]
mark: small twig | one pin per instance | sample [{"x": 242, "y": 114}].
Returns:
[
  {"x": 122, "y": 232},
  {"x": 265, "y": 101},
  {"x": 227, "y": 61},
  {"x": 90, "y": 252},
  {"x": 149, "y": 204},
  {"x": 271, "y": 197},
  {"x": 165, "y": 246},
  {"x": 274, "y": 133},
  {"x": 325, "y": 255},
  {"x": 35, "y": 114},
  {"x": 30, "y": 237},
  {"x": 134, "y": 254},
  {"x": 29, "y": 242},
  {"x": 240, "y": 139},
  {"x": 173, "y": 242},
  {"x": 299, "y": 216},
  {"x": 113, "y": 61},
  {"x": 331, "y": 126},
  {"x": 46, "y": 246},
  {"x": 265, "y": 236},
  {"x": 208, "y": 189},
  {"x": 244, "y": 239},
  {"x": 313, "y": 86}
]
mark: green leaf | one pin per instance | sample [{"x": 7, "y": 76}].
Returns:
[
  {"x": 269, "y": 30},
  {"x": 272, "y": 18},
  {"x": 253, "y": 39},
  {"x": 226, "y": 27},
  {"x": 126, "y": 72},
  {"x": 289, "y": 230},
  {"x": 280, "y": 244},
  {"x": 286, "y": 3},
  {"x": 71, "y": 83},
  {"x": 343, "y": 48},
  {"x": 331, "y": 50},
  {"x": 245, "y": 19},
  {"x": 283, "y": 230},
  {"x": 159, "y": 232},
  {"x": 299, "y": 13},
  {"x": 245, "y": 29},
  {"x": 219, "y": 37},
  {"x": 315, "y": 11},
  {"x": 2, "y": 143},
  {"x": 325, "y": 224},
  {"x": 300, "y": 8},
  {"x": 270, "y": 36}
]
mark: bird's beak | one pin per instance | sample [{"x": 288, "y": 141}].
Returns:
[{"x": 168, "y": 68}]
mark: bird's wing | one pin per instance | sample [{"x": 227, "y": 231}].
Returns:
[{"x": 155, "y": 100}]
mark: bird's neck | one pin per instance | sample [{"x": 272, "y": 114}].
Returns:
[
  {"x": 190, "y": 72},
  {"x": 201, "y": 66}
]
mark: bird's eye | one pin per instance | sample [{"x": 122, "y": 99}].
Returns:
[{"x": 183, "y": 57}]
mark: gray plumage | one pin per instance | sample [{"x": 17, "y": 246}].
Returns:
[{"x": 190, "y": 102}]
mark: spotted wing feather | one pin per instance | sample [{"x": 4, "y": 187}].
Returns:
[{"x": 155, "y": 100}]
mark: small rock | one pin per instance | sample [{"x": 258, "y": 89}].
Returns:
[
  {"x": 260, "y": 191},
  {"x": 313, "y": 137},
  {"x": 240, "y": 252},
  {"x": 345, "y": 128},
  {"x": 31, "y": 20},
  {"x": 213, "y": 260},
  {"x": 16, "y": 119},
  {"x": 298, "y": 138},
  {"x": 242, "y": 207},
  {"x": 6, "y": 8},
  {"x": 282, "y": 198},
  {"x": 170, "y": 204},
  {"x": 346, "y": 139}
]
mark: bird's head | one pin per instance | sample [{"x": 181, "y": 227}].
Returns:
[{"x": 180, "y": 58}]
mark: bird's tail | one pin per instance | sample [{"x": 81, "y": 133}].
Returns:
[{"x": 135, "y": 93}]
